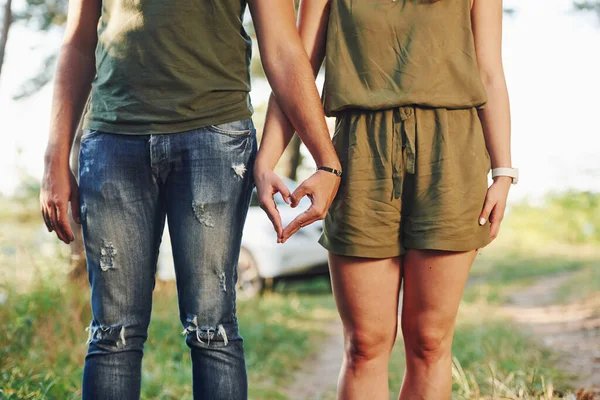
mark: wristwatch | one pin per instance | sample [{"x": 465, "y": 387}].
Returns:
[{"x": 511, "y": 172}]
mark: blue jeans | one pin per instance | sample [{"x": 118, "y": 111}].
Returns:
[{"x": 202, "y": 181}]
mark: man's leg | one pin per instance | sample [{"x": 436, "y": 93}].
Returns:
[
  {"x": 122, "y": 222},
  {"x": 208, "y": 193}
]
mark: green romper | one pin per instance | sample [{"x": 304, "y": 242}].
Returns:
[{"x": 402, "y": 81}]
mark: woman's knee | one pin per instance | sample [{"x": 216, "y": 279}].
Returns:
[
  {"x": 428, "y": 342},
  {"x": 365, "y": 346}
]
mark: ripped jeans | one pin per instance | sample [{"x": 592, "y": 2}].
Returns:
[{"x": 202, "y": 181}]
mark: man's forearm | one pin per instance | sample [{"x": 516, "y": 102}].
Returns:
[
  {"x": 292, "y": 81},
  {"x": 74, "y": 76}
]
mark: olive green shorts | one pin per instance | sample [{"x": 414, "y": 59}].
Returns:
[{"x": 413, "y": 178}]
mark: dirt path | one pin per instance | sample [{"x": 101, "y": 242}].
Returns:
[
  {"x": 573, "y": 330},
  {"x": 316, "y": 380}
]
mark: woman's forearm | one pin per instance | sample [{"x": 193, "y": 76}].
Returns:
[
  {"x": 495, "y": 118},
  {"x": 277, "y": 134},
  {"x": 486, "y": 18}
]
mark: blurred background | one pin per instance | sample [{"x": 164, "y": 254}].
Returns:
[{"x": 529, "y": 325}]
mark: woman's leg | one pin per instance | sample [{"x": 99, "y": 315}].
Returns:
[
  {"x": 366, "y": 293},
  {"x": 433, "y": 286}
]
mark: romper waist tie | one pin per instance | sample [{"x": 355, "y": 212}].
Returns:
[{"x": 404, "y": 139}]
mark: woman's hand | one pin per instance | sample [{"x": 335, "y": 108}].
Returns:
[
  {"x": 495, "y": 204},
  {"x": 268, "y": 184}
]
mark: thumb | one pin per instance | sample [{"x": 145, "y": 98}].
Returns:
[{"x": 298, "y": 194}]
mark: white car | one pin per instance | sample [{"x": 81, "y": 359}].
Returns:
[{"x": 261, "y": 257}]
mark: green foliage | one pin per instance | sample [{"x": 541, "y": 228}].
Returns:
[
  {"x": 567, "y": 218},
  {"x": 44, "y": 14},
  {"x": 588, "y": 5}
]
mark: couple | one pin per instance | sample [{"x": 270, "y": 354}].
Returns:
[{"x": 169, "y": 133}]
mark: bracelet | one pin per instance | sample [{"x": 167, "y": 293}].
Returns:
[{"x": 332, "y": 170}]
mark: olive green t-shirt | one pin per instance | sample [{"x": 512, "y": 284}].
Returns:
[{"x": 166, "y": 66}]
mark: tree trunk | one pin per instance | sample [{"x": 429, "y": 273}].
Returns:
[
  {"x": 6, "y": 23},
  {"x": 295, "y": 157}
]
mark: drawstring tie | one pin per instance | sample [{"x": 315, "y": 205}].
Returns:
[{"x": 404, "y": 145}]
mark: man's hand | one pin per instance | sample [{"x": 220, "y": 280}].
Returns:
[
  {"x": 59, "y": 187},
  {"x": 321, "y": 189},
  {"x": 268, "y": 184},
  {"x": 495, "y": 204}
]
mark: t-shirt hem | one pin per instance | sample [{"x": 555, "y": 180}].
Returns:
[{"x": 164, "y": 128}]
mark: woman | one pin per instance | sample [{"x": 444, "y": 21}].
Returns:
[{"x": 422, "y": 111}]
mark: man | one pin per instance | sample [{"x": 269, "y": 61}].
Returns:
[{"x": 168, "y": 132}]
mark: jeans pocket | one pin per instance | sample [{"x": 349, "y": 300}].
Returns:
[
  {"x": 243, "y": 127},
  {"x": 89, "y": 133}
]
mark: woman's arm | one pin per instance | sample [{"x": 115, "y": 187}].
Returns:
[
  {"x": 486, "y": 16},
  {"x": 312, "y": 25}
]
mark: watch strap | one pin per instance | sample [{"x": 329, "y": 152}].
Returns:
[
  {"x": 331, "y": 170},
  {"x": 510, "y": 172}
]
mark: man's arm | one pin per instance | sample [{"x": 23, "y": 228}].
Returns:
[
  {"x": 295, "y": 104},
  {"x": 74, "y": 75}
]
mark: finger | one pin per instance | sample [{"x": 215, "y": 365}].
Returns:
[
  {"x": 283, "y": 189},
  {"x": 46, "y": 219},
  {"x": 298, "y": 194},
  {"x": 62, "y": 223},
  {"x": 487, "y": 209},
  {"x": 268, "y": 205},
  {"x": 496, "y": 220},
  {"x": 52, "y": 214},
  {"x": 75, "y": 210},
  {"x": 302, "y": 220},
  {"x": 494, "y": 230},
  {"x": 273, "y": 214}
]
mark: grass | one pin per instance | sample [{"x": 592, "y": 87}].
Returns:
[
  {"x": 496, "y": 274},
  {"x": 582, "y": 285},
  {"x": 42, "y": 343},
  {"x": 42, "y": 346},
  {"x": 493, "y": 358},
  {"x": 44, "y": 315}
]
